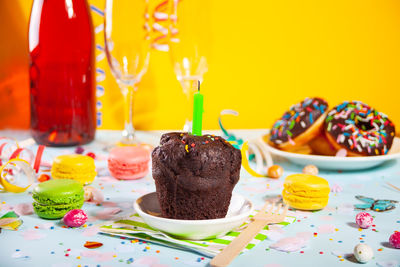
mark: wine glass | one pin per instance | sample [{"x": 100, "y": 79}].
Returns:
[
  {"x": 127, "y": 45},
  {"x": 189, "y": 43}
]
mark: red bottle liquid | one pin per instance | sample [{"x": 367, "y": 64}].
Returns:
[{"x": 61, "y": 46}]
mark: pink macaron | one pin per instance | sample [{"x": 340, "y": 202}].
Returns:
[{"x": 129, "y": 162}]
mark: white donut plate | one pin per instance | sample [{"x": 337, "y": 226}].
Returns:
[{"x": 339, "y": 163}]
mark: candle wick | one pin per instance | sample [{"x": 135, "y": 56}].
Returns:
[{"x": 198, "y": 85}]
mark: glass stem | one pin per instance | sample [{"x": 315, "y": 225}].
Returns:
[
  {"x": 189, "y": 87},
  {"x": 129, "y": 130}
]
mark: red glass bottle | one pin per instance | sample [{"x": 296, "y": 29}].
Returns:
[{"x": 62, "y": 72}]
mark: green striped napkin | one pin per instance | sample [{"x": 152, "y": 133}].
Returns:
[{"x": 134, "y": 227}]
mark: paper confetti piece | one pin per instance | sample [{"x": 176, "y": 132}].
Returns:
[
  {"x": 107, "y": 213},
  {"x": 108, "y": 179},
  {"x": 24, "y": 209},
  {"x": 46, "y": 226},
  {"x": 291, "y": 244},
  {"x": 92, "y": 244},
  {"x": 91, "y": 231},
  {"x": 336, "y": 188},
  {"x": 392, "y": 263},
  {"x": 109, "y": 204},
  {"x": 97, "y": 255},
  {"x": 33, "y": 234},
  {"x": 148, "y": 261},
  {"x": 20, "y": 255},
  {"x": 326, "y": 229},
  {"x": 93, "y": 194},
  {"x": 6, "y": 207},
  {"x": 127, "y": 248},
  {"x": 10, "y": 221}
]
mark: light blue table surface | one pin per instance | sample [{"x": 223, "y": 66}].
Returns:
[{"x": 52, "y": 243}]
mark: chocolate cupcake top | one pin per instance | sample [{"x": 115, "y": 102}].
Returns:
[{"x": 196, "y": 162}]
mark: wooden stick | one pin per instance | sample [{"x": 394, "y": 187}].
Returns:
[
  {"x": 395, "y": 187},
  {"x": 240, "y": 242}
]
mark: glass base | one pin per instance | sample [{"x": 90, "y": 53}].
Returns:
[
  {"x": 188, "y": 126},
  {"x": 128, "y": 138}
]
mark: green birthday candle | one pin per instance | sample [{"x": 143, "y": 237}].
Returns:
[{"x": 197, "y": 112}]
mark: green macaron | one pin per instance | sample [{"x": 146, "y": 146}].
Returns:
[{"x": 54, "y": 198}]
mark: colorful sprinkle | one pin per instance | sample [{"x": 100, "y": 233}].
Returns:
[
  {"x": 79, "y": 150},
  {"x": 91, "y": 154},
  {"x": 92, "y": 244},
  {"x": 43, "y": 178}
]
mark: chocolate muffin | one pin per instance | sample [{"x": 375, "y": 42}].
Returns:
[{"x": 195, "y": 175}]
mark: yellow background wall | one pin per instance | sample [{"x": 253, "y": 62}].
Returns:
[{"x": 267, "y": 55}]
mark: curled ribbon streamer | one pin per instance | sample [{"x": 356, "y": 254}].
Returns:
[
  {"x": 259, "y": 151},
  {"x": 18, "y": 154},
  {"x": 160, "y": 27},
  {"x": 7, "y": 183},
  {"x": 38, "y": 158},
  {"x": 231, "y": 138},
  {"x": 19, "y": 151},
  {"x": 245, "y": 161},
  {"x": 260, "y": 143},
  {"x": 7, "y": 147}
]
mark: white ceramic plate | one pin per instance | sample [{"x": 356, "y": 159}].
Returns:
[
  {"x": 148, "y": 208},
  {"x": 339, "y": 163}
]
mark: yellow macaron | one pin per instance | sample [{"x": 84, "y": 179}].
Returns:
[
  {"x": 77, "y": 167},
  {"x": 305, "y": 192}
]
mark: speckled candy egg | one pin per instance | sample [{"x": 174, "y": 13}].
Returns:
[
  {"x": 75, "y": 218},
  {"x": 364, "y": 219},
  {"x": 363, "y": 253},
  {"x": 394, "y": 240}
]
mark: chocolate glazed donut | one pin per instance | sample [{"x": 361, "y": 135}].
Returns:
[
  {"x": 360, "y": 129},
  {"x": 303, "y": 122}
]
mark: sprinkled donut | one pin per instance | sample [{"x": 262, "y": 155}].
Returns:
[
  {"x": 303, "y": 122},
  {"x": 360, "y": 129}
]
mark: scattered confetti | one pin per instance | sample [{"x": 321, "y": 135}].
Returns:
[
  {"x": 43, "y": 178},
  {"x": 147, "y": 261},
  {"x": 33, "y": 234},
  {"x": 91, "y": 154},
  {"x": 392, "y": 263},
  {"x": 20, "y": 255},
  {"x": 91, "y": 231},
  {"x": 326, "y": 229},
  {"x": 107, "y": 213},
  {"x": 291, "y": 244},
  {"x": 92, "y": 244},
  {"x": 336, "y": 188},
  {"x": 98, "y": 255},
  {"x": 79, "y": 150},
  {"x": 24, "y": 209}
]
